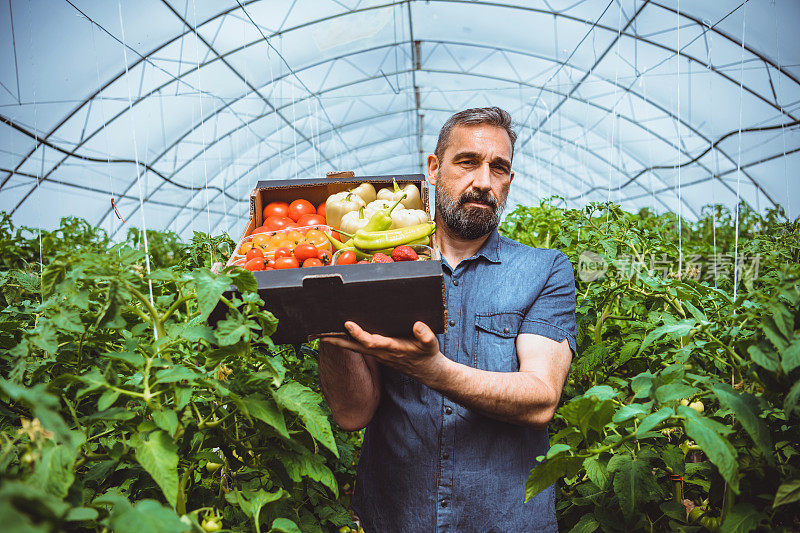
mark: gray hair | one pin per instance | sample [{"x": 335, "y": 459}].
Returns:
[{"x": 493, "y": 116}]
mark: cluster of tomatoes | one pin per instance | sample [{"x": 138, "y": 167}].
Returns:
[{"x": 291, "y": 236}]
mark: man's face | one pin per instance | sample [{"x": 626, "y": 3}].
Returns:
[{"x": 473, "y": 179}]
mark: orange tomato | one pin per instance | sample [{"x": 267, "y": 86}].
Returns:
[
  {"x": 245, "y": 247},
  {"x": 286, "y": 262},
  {"x": 260, "y": 239},
  {"x": 254, "y": 253},
  {"x": 282, "y": 252},
  {"x": 276, "y": 209},
  {"x": 299, "y": 208},
  {"x": 305, "y": 251},
  {"x": 312, "y": 262},
  {"x": 295, "y": 236},
  {"x": 315, "y": 237},
  {"x": 255, "y": 264}
]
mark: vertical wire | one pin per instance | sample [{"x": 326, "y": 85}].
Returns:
[
  {"x": 678, "y": 142},
  {"x": 716, "y": 156},
  {"x": 739, "y": 163},
  {"x": 41, "y": 172},
  {"x": 783, "y": 128},
  {"x": 136, "y": 159},
  {"x": 202, "y": 128}
]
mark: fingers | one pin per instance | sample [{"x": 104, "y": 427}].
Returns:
[{"x": 425, "y": 336}]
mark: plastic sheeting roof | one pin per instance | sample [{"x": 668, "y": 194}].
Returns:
[{"x": 175, "y": 108}]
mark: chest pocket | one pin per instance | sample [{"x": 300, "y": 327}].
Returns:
[{"x": 495, "y": 341}]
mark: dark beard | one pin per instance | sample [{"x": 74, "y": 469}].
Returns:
[{"x": 468, "y": 222}]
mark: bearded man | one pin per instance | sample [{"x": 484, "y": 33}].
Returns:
[{"x": 455, "y": 421}]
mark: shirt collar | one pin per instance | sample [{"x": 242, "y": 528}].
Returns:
[{"x": 491, "y": 247}]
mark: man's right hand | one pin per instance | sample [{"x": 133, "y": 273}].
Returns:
[{"x": 351, "y": 383}]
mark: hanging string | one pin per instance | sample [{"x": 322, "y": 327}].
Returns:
[
  {"x": 202, "y": 129},
  {"x": 739, "y": 165},
  {"x": 41, "y": 171},
  {"x": 709, "y": 63},
  {"x": 136, "y": 159},
  {"x": 783, "y": 129}
]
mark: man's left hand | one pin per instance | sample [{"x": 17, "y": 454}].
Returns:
[{"x": 418, "y": 357}]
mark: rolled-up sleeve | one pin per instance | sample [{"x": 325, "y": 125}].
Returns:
[{"x": 552, "y": 314}]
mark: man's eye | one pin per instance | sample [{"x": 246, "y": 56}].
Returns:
[
  {"x": 467, "y": 162},
  {"x": 500, "y": 169}
]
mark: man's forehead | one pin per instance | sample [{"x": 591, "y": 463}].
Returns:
[{"x": 479, "y": 138}]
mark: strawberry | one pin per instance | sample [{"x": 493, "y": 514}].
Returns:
[
  {"x": 362, "y": 262},
  {"x": 404, "y": 253},
  {"x": 381, "y": 258}
]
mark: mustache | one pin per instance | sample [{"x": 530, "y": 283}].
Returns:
[{"x": 480, "y": 197}]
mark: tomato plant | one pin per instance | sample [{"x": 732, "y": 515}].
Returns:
[{"x": 122, "y": 410}]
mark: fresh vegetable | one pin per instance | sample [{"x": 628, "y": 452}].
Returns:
[
  {"x": 402, "y": 218},
  {"x": 321, "y": 210},
  {"x": 411, "y": 200},
  {"x": 274, "y": 223},
  {"x": 254, "y": 253},
  {"x": 382, "y": 219},
  {"x": 255, "y": 264},
  {"x": 276, "y": 209},
  {"x": 377, "y": 240},
  {"x": 354, "y": 221},
  {"x": 381, "y": 258},
  {"x": 311, "y": 220},
  {"x": 366, "y": 191},
  {"x": 211, "y": 523},
  {"x": 325, "y": 256},
  {"x": 339, "y": 204},
  {"x": 306, "y": 251},
  {"x": 312, "y": 262},
  {"x": 286, "y": 262},
  {"x": 348, "y": 257},
  {"x": 298, "y": 208},
  {"x": 245, "y": 247},
  {"x": 404, "y": 253},
  {"x": 697, "y": 406},
  {"x": 212, "y": 467},
  {"x": 282, "y": 252}
]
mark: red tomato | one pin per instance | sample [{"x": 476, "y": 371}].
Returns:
[
  {"x": 286, "y": 262},
  {"x": 311, "y": 220},
  {"x": 276, "y": 209},
  {"x": 312, "y": 262},
  {"x": 255, "y": 264},
  {"x": 254, "y": 253},
  {"x": 325, "y": 257},
  {"x": 305, "y": 251},
  {"x": 270, "y": 264},
  {"x": 347, "y": 257},
  {"x": 321, "y": 210},
  {"x": 282, "y": 252},
  {"x": 276, "y": 223},
  {"x": 269, "y": 268},
  {"x": 299, "y": 208},
  {"x": 335, "y": 235},
  {"x": 239, "y": 262},
  {"x": 260, "y": 229}
]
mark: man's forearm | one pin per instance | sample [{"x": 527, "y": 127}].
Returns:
[
  {"x": 515, "y": 397},
  {"x": 350, "y": 385}
]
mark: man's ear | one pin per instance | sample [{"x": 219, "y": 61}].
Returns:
[
  {"x": 511, "y": 176},
  {"x": 433, "y": 169}
]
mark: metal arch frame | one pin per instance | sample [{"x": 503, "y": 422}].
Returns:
[
  {"x": 498, "y": 5},
  {"x": 493, "y": 4}
]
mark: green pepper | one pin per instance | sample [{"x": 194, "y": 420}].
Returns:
[
  {"x": 339, "y": 245},
  {"x": 388, "y": 251},
  {"x": 378, "y": 240},
  {"x": 382, "y": 220}
]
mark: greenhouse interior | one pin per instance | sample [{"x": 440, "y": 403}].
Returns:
[{"x": 633, "y": 366}]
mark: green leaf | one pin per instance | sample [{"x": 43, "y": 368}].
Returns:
[
  {"x": 147, "y": 515},
  {"x": 679, "y": 329},
  {"x": 602, "y": 392},
  {"x": 788, "y": 492},
  {"x": 209, "y": 289},
  {"x": 306, "y": 403},
  {"x": 54, "y": 470},
  {"x": 790, "y": 358},
  {"x": 550, "y": 471},
  {"x": 267, "y": 411},
  {"x": 642, "y": 385},
  {"x": 654, "y": 419},
  {"x": 633, "y": 482},
  {"x": 45, "y": 337},
  {"x": 68, "y": 320},
  {"x": 587, "y": 524},
  {"x": 769, "y": 361},
  {"x": 107, "y": 399},
  {"x": 311, "y": 466},
  {"x": 80, "y": 514},
  {"x": 674, "y": 391},
  {"x": 588, "y": 414},
  {"x": 743, "y": 518},
  {"x": 626, "y": 412},
  {"x": 792, "y": 400},
  {"x": 709, "y": 436},
  {"x": 284, "y": 525},
  {"x": 596, "y": 471},
  {"x": 166, "y": 420},
  {"x": 244, "y": 280},
  {"x": 132, "y": 358},
  {"x": 174, "y": 374},
  {"x": 746, "y": 408},
  {"x": 215, "y": 357},
  {"x": 158, "y": 455},
  {"x": 234, "y": 328},
  {"x": 251, "y": 503}
]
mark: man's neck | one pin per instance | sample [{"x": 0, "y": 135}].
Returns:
[{"x": 454, "y": 248}]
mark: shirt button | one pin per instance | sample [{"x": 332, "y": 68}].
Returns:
[
  {"x": 445, "y": 455},
  {"x": 443, "y": 503},
  {"x": 455, "y": 282},
  {"x": 505, "y": 330},
  {"x": 452, "y": 322},
  {"x": 448, "y": 410}
]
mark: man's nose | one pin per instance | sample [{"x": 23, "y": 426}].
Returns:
[{"x": 483, "y": 178}]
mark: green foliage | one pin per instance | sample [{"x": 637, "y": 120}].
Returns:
[
  {"x": 658, "y": 331},
  {"x": 118, "y": 402}
]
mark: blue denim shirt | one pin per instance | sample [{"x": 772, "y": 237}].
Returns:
[{"x": 429, "y": 464}]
